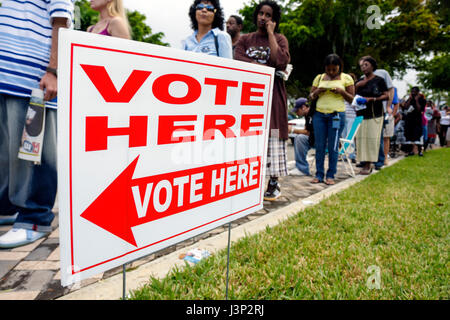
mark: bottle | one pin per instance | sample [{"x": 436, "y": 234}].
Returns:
[{"x": 33, "y": 131}]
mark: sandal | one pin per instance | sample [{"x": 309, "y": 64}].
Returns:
[
  {"x": 366, "y": 172},
  {"x": 315, "y": 180},
  {"x": 330, "y": 182}
]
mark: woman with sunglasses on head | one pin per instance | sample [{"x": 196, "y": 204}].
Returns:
[
  {"x": 113, "y": 20},
  {"x": 207, "y": 21},
  {"x": 269, "y": 48}
]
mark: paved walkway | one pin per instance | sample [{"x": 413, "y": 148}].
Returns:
[{"x": 32, "y": 272}]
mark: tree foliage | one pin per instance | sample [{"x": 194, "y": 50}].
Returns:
[
  {"x": 399, "y": 34},
  {"x": 437, "y": 73},
  {"x": 435, "y": 76},
  {"x": 139, "y": 30}
]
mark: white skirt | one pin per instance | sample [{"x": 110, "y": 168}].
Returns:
[{"x": 368, "y": 140}]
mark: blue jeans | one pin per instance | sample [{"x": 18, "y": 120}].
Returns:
[
  {"x": 327, "y": 137},
  {"x": 25, "y": 187},
  {"x": 425, "y": 134},
  {"x": 301, "y": 147}
]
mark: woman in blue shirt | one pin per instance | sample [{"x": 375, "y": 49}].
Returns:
[{"x": 208, "y": 37}]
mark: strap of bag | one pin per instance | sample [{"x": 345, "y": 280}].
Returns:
[{"x": 216, "y": 43}]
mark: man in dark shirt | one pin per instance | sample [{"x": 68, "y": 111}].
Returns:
[{"x": 304, "y": 140}]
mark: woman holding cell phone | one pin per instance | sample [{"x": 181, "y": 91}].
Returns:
[
  {"x": 268, "y": 47},
  {"x": 330, "y": 89}
]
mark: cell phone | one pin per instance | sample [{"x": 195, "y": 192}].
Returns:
[{"x": 336, "y": 122}]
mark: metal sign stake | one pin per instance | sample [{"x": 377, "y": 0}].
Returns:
[
  {"x": 228, "y": 260},
  {"x": 124, "y": 279}
]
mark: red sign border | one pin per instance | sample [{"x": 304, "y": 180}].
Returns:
[{"x": 73, "y": 45}]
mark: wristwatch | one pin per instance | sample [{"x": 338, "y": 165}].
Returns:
[{"x": 52, "y": 70}]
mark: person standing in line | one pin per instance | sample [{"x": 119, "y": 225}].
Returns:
[
  {"x": 444, "y": 123},
  {"x": 234, "y": 28},
  {"x": 415, "y": 106},
  {"x": 113, "y": 20},
  {"x": 388, "y": 110},
  {"x": 373, "y": 90},
  {"x": 330, "y": 89},
  {"x": 350, "y": 115},
  {"x": 207, "y": 21},
  {"x": 424, "y": 129},
  {"x": 433, "y": 115},
  {"x": 400, "y": 126},
  {"x": 388, "y": 131},
  {"x": 304, "y": 139},
  {"x": 447, "y": 135},
  {"x": 28, "y": 190},
  {"x": 268, "y": 47}
]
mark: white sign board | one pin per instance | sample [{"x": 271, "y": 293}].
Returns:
[{"x": 155, "y": 145}]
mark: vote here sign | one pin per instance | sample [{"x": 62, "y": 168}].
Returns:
[{"x": 155, "y": 145}]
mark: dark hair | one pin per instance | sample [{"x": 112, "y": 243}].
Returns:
[
  {"x": 371, "y": 60},
  {"x": 353, "y": 76},
  {"x": 276, "y": 12},
  {"x": 335, "y": 60},
  {"x": 218, "y": 15},
  {"x": 238, "y": 19}
]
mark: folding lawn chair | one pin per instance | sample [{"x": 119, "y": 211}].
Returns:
[{"x": 348, "y": 145}]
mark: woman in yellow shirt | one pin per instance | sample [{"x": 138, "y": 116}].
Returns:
[{"x": 330, "y": 89}]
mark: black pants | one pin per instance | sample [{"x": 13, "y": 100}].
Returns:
[{"x": 442, "y": 134}]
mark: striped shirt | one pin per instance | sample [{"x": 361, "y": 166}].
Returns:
[{"x": 25, "y": 42}]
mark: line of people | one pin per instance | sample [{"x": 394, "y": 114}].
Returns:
[
  {"x": 29, "y": 60},
  {"x": 333, "y": 113},
  {"x": 412, "y": 123},
  {"x": 433, "y": 121},
  {"x": 28, "y": 191},
  {"x": 266, "y": 46}
]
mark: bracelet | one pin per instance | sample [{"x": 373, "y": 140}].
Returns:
[{"x": 52, "y": 70}]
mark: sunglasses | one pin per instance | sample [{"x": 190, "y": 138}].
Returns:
[{"x": 208, "y": 7}]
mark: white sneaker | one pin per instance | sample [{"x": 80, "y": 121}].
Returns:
[
  {"x": 17, "y": 237},
  {"x": 296, "y": 172}
]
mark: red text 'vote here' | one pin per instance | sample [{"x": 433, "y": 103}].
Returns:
[{"x": 129, "y": 202}]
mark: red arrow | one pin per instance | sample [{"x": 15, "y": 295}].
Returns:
[
  {"x": 115, "y": 208},
  {"x": 109, "y": 210}
]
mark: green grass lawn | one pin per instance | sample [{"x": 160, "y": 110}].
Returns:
[{"x": 396, "y": 220}]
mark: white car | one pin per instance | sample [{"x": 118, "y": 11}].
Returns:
[{"x": 298, "y": 123}]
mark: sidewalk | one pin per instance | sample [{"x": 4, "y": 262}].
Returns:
[{"x": 32, "y": 272}]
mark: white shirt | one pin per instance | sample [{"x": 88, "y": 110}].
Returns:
[{"x": 445, "y": 118}]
